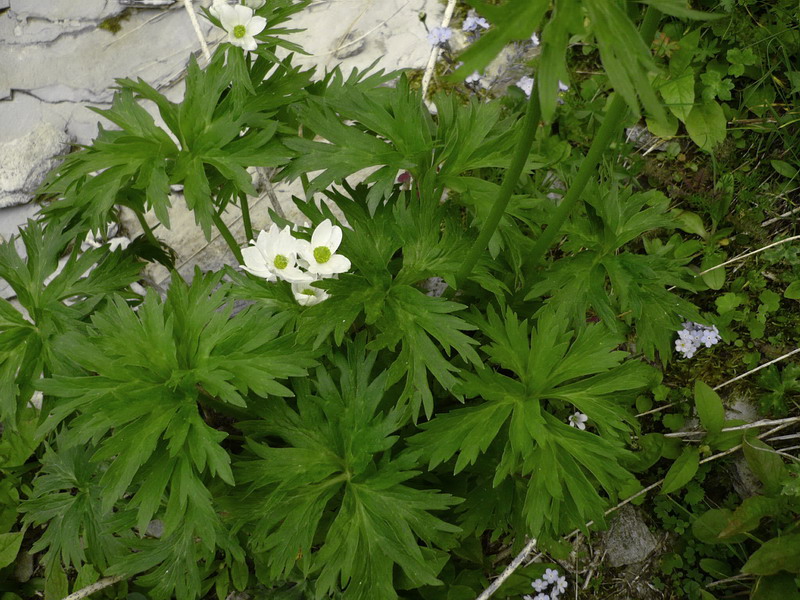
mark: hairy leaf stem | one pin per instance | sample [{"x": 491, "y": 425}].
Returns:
[
  {"x": 228, "y": 236},
  {"x": 612, "y": 123},
  {"x": 533, "y": 115}
]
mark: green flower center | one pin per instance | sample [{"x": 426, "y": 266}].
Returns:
[
  {"x": 239, "y": 32},
  {"x": 308, "y": 292},
  {"x": 322, "y": 254},
  {"x": 280, "y": 262}
]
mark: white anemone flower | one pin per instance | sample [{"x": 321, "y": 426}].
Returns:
[
  {"x": 578, "y": 420},
  {"x": 241, "y": 24},
  {"x": 308, "y": 295},
  {"x": 319, "y": 255},
  {"x": 274, "y": 256}
]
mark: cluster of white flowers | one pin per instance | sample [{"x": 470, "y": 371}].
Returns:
[
  {"x": 578, "y": 420},
  {"x": 474, "y": 23},
  {"x": 693, "y": 335},
  {"x": 240, "y": 21},
  {"x": 439, "y": 36},
  {"x": 277, "y": 255},
  {"x": 550, "y": 577},
  {"x": 473, "y": 79}
]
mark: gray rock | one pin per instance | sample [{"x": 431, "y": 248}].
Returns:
[
  {"x": 62, "y": 10},
  {"x": 628, "y": 540},
  {"x": 25, "y": 162},
  {"x": 148, "y": 3}
]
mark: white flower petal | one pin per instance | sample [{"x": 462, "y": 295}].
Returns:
[
  {"x": 256, "y": 25},
  {"x": 336, "y": 264},
  {"x": 227, "y": 17},
  {"x": 243, "y": 13},
  {"x": 322, "y": 234}
]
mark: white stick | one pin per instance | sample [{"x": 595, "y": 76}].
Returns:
[
  {"x": 426, "y": 78},
  {"x": 187, "y": 4},
  {"x": 758, "y": 368},
  {"x": 95, "y": 587},
  {"x": 753, "y": 425},
  {"x": 723, "y": 384},
  {"x": 518, "y": 560}
]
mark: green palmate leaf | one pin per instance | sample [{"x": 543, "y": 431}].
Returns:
[
  {"x": 682, "y": 471},
  {"x": 390, "y": 128},
  {"x": 423, "y": 330},
  {"x": 336, "y": 493},
  {"x": 611, "y": 282},
  {"x": 176, "y": 352},
  {"x": 552, "y": 369},
  {"x": 706, "y": 125},
  {"x": 67, "y": 498},
  {"x": 57, "y": 294},
  {"x": 709, "y": 407},
  {"x": 778, "y": 554}
]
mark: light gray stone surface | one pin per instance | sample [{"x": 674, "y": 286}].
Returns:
[
  {"x": 628, "y": 540},
  {"x": 56, "y": 62},
  {"x": 25, "y": 161}
]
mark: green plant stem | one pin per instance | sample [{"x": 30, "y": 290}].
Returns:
[
  {"x": 533, "y": 115},
  {"x": 611, "y": 126},
  {"x": 148, "y": 232},
  {"x": 228, "y": 236},
  {"x": 248, "y": 226}
]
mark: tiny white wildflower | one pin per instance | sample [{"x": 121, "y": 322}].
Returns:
[
  {"x": 319, "y": 256},
  {"x": 474, "y": 22},
  {"x": 439, "y": 36},
  {"x": 541, "y": 597},
  {"x": 578, "y": 420},
  {"x": 693, "y": 336},
  {"x": 560, "y": 585},
  {"x": 273, "y": 256},
  {"x": 535, "y": 40},
  {"x": 308, "y": 295},
  {"x": 526, "y": 85},
  {"x": 240, "y": 23},
  {"x": 539, "y": 585},
  {"x": 562, "y": 87},
  {"x": 550, "y": 575}
]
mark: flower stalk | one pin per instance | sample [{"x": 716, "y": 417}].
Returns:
[
  {"x": 610, "y": 128},
  {"x": 227, "y": 236},
  {"x": 533, "y": 115}
]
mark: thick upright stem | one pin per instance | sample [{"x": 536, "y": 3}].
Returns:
[
  {"x": 228, "y": 236},
  {"x": 248, "y": 225},
  {"x": 612, "y": 123},
  {"x": 533, "y": 115},
  {"x": 148, "y": 232}
]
